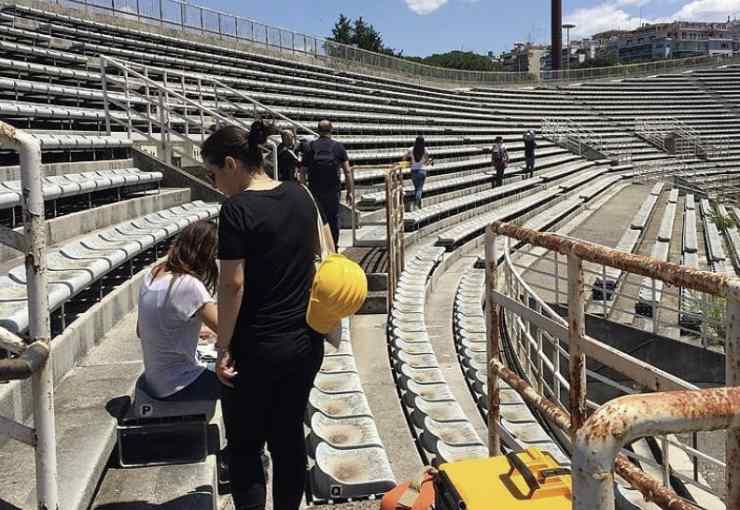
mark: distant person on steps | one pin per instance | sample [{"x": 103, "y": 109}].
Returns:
[
  {"x": 499, "y": 160},
  {"x": 419, "y": 157},
  {"x": 530, "y": 144},
  {"x": 322, "y": 162}
]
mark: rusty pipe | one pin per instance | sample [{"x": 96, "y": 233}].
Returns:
[
  {"x": 628, "y": 418},
  {"x": 650, "y": 488},
  {"x": 672, "y": 274},
  {"x": 25, "y": 365},
  {"x": 38, "y": 362}
]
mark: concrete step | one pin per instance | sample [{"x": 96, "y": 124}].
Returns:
[{"x": 85, "y": 403}]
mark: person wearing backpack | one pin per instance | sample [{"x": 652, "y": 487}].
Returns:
[
  {"x": 500, "y": 160},
  {"x": 530, "y": 144},
  {"x": 321, "y": 164}
]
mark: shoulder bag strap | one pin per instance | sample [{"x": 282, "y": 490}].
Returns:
[{"x": 320, "y": 244}]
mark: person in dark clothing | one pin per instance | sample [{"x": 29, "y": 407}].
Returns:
[
  {"x": 268, "y": 356},
  {"x": 530, "y": 144},
  {"x": 500, "y": 160},
  {"x": 287, "y": 158},
  {"x": 321, "y": 164}
]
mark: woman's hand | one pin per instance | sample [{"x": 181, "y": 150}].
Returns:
[{"x": 225, "y": 368}]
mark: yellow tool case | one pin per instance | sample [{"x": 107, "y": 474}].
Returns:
[{"x": 531, "y": 480}]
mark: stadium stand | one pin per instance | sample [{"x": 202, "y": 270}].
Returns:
[{"x": 50, "y": 85}]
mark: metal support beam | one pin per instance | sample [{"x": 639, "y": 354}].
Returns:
[
  {"x": 577, "y": 332},
  {"x": 36, "y": 361},
  {"x": 493, "y": 323},
  {"x": 732, "y": 376}
]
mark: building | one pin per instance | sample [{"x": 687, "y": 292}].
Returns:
[
  {"x": 679, "y": 39},
  {"x": 525, "y": 57}
]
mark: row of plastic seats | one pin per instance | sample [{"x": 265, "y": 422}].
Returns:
[
  {"x": 605, "y": 285},
  {"x": 432, "y": 187},
  {"x": 348, "y": 459},
  {"x": 651, "y": 291},
  {"x": 80, "y": 263},
  {"x": 419, "y": 217},
  {"x": 713, "y": 239},
  {"x": 469, "y": 328},
  {"x": 62, "y": 186},
  {"x": 443, "y": 432}
]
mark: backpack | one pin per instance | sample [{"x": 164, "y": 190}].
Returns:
[
  {"x": 324, "y": 169},
  {"x": 499, "y": 161}
]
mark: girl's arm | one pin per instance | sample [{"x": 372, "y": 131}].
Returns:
[{"x": 208, "y": 313}]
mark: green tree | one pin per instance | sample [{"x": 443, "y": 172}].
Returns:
[
  {"x": 366, "y": 37},
  {"x": 343, "y": 32}
]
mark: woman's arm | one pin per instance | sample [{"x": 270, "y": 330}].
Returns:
[
  {"x": 208, "y": 313},
  {"x": 230, "y": 294}
]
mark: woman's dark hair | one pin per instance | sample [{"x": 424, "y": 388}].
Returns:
[
  {"x": 419, "y": 148},
  {"x": 238, "y": 143},
  {"x": 194, "y": 253}
]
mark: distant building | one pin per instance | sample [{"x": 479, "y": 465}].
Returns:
[
  {"x": 678, "y": 39},
  {"x": 524, "y": 57}
]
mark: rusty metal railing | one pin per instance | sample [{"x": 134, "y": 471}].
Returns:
[
  {"x": 394, "y": 208},
  {"x": 33, "y": 357},
  {"x": 516, "y": 306}
]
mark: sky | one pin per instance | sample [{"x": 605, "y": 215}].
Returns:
[{"x": 423, "y": 27}]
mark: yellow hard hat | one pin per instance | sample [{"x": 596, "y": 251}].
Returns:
[{"x": 339, "y": 290}]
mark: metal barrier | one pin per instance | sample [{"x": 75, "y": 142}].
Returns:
[
  {"x": 174, "y": 104},
  {"x": 33, "y": 357},
  {"x": 538, "y": 333},
  {"x": 181, "y": 15},
  {"x": 395, "y": 246},
  {"x": 672, "y": 135},
  {"x": 573, "y": 135}
]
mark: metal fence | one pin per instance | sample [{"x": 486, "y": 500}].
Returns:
[
  {"x": 552, "y": 353},
  {"x": 180, "y": 15}
]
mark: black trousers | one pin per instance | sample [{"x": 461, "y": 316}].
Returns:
[
  {"x": 267, "y": 405},
  {"x": 329, "y": 203},
  {"x": 500, "y": 176}
]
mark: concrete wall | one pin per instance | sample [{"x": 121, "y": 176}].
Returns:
[{"x": 694, "y": 364}]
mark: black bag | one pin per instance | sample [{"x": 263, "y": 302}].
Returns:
[{"x": 323, "y": 173}]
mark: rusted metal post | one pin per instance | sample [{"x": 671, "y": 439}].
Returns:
[
  {"x": 628, "y": 418},
  {"x": 576, "y": 333},
  {"x": 493, "y": 323},
  {"x": 732, "y": 378},
  {"x": 42, "y": 379}
]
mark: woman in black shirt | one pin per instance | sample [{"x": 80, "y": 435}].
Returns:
[
  {"x": 268, "y": 356},
  {"x": 287, "y": 159}
]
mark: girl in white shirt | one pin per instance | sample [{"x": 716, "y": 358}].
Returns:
[
  {"x": 175, "y": 300},
  {"x": 419, "y": 157}
]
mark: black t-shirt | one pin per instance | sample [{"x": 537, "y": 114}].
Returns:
[
  {"x": 529, "y": 146},
  {"x": 274, "y": 232},
  {"x": 322, "y": 161},
  {"x": 287, "y": 162}
]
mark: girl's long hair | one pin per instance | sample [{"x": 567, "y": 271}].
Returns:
[
  {"x": 194, "y": 253},
  {"x": 419, "y": 148}
]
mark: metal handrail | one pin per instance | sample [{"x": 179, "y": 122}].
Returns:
[
  {"x": 530, "y": 311},
  {"x": 34, "y": 360}
]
